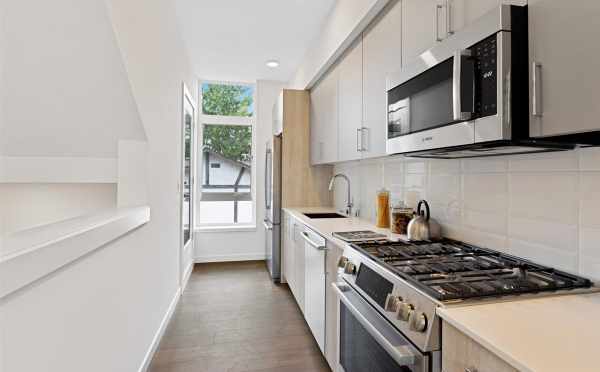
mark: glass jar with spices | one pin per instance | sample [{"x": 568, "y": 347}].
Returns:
[
  {"x": 383, "y": 209},
  {"x": 401, "y": 216}
]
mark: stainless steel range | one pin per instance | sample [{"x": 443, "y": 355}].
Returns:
[{"x": 389, "y": 292}]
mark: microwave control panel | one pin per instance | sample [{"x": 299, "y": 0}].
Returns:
[{"x": 486, "y": 71}]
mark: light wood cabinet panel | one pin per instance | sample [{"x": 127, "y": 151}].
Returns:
[
  {"x": 324, "y": 119},
  {"x": 350, "y": 103},
  {"x": 331, "y": 305},
  {"x": 382, "y": 55},
  {"x": 301, "y": 184},
  {"x": 563, "y": 42},
  {"x": 460, "y": 353}
]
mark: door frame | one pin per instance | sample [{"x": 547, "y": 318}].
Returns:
[{"x": 187, "y": 99}]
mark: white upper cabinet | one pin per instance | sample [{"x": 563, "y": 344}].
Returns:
[
  {"x": 350, "y": 103},
  {"x": 421, "y": 21},
  {"x": 324, "y": 119},
  {"x": 564, "y": 55},
  {"x": 459, "y": 13},
  {"x": 382, "y": 55}
]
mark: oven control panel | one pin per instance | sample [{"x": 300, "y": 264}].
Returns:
[{"x": 410, "y": 311}]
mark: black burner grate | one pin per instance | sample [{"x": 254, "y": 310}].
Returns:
[{"x": 452, "y": 270}]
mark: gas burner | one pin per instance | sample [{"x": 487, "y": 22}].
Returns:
[{"x": 450, "y": 270}]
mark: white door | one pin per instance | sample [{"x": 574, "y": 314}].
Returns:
[
  {"x": 187, "y": 182},
  {"x": 564, "y": 57},
  {"x": 350, "y": 100},
  {"x": 314, "y": 288},
  {"x": 382, "y": 55}
]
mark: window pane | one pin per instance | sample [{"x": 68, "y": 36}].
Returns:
[
  {"x": 227, "y": 100},
  {"x": 226, "y": 168}
]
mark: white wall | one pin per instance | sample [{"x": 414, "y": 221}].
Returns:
[
  {"x": 66, "y": 90},
  {"x": 242, "y": 245},
  {"x": 345, "y": 22},
  {"x": 25, "y": 205},
  {"x": 544, "y": 207},
  {"x": 102, "y": 312}
]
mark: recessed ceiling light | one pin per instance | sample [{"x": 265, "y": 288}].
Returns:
[{"x": 273, "y": 63}]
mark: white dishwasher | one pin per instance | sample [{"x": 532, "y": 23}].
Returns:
[{"x": 314, "y": 284}]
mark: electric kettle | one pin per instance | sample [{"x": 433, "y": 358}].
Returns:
[{"x": 422, "y": 226}]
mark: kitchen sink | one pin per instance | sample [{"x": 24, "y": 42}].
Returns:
[{"x": 324, "y": 215}]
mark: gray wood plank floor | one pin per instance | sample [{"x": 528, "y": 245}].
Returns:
[{"x": 233, "y": 318}]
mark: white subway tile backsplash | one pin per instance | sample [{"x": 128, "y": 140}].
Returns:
[
  {"x": 589, "y": 259},
  {"x": 551, "y": 234},
  {"x": 485, "y": 192},
  {"x": 551, "y": 161},
  {"x": 495, "y": 223},
  {"x": 416, "y": 166},
  {"x": 444, "y": 166},
  {"x": 544, "y": 255},
  {"x": 485, "y": 165},
  {"x": 590, "y": 199},
  {"x": 547, "y": 196},
  {"x": 589, "y": 158},
  {"x": 544, "y": 207},
  {"x": 484, "y": 239},
  {"x": 443, "y": 189}
]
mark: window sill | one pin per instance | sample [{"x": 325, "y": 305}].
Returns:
[{"x": 229, "y": 228}]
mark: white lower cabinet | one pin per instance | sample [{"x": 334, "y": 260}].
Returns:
[
  {"x": 309, "y": 268},
  {"x": 314, "y": 286}
]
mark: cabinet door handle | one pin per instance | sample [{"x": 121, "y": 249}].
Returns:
[
  {"x": 470, "y": 369},
  {"x": 364, "y": 143},
  {"x": 437, "y": 22},
  {"x": 449, "y": 28},
  {"x": 358, "y": 139},
  {"x": 536, "y": 95}
]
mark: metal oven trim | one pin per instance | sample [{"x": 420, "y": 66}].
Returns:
[
  {"x": 428, "y": 341},
  {"x": 380, "y": 330}
]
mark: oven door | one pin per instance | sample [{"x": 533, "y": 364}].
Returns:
[{"x": 368, "y": 342}]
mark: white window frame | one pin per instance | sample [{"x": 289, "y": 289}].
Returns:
[{"x": 226, "y": 120}]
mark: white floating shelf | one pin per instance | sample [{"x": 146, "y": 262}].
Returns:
[
  {"x": 30, "y": 255},
  {"x": 57, "y": 170}
]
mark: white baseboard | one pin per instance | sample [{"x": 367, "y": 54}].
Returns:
[
  {"x": 160, "y": 332},
  {"x": 231, "y": 258},
  {"x": 186, "y": 276}
]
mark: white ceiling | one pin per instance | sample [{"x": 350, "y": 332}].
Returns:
[{"x": 233, "y": 39}]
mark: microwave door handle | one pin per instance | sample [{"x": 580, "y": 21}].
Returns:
[
  {"x": 401, "y": 354},
  {"x": 458, "y": 86}
]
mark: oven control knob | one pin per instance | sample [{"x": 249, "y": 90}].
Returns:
[
  {"x": 418, "y": 321},
  {"x": 392, "y": 302},
  {"x": 350, "y": 268},
  {"x": 342, "y": 262},
  {"x": 404, "y": 311}
]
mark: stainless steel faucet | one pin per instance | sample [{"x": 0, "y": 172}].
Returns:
[{"x": 349, "y": 204}]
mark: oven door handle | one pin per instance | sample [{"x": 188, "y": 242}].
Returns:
[{"x": 401, "y": 354}]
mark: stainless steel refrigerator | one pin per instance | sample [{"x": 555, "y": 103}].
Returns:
[{"x": 272, "y": 221}]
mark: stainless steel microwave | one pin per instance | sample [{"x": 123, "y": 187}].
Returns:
[{"x": 469, "y": 95}]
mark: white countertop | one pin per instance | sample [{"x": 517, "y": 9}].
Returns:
[
  {"x": 327, "y": 226},
  {"x": 549, "y": 334}
]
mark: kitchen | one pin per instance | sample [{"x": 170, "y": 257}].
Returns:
[{"x": 420, "y": 178}]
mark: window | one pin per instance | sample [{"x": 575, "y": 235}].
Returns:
[{"x": 227, "y": 147}]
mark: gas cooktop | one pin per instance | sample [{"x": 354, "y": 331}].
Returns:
[{"x": 451, "y": 270}]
